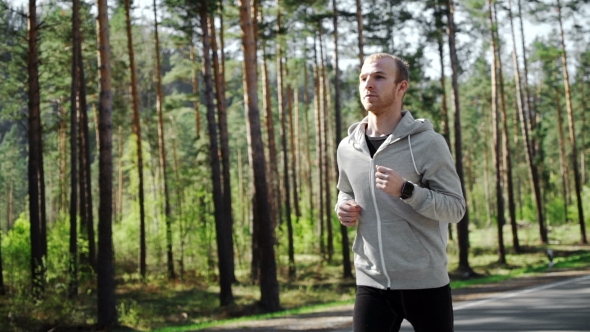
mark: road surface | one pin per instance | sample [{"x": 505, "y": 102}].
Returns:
[{"x": 548, "y": 303}]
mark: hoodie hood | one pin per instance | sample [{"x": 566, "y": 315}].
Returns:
[{"x": 406, "y": 127}]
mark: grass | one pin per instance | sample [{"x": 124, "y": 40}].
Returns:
[{"x": 192, "y": 304}]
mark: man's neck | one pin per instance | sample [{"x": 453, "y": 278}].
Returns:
[{"x": 382, "y": 124}]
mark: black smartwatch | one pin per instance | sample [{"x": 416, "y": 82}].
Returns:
[{"x": 407, "y": 190}]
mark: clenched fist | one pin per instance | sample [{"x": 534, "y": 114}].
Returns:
[
  {"x": 389, "y": 181},
  {"x": 348, "y": 213}
]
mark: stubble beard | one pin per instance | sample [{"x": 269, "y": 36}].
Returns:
[{"x": 381, "y": 107}]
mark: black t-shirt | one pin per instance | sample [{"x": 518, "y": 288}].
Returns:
[{"x": 374, "y": 143}]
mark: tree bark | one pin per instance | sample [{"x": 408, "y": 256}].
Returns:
[
  {"x": 497, "y": 139},
  {"x": 35, "y": 146},
  {"x": 292, "y": 148},
  {"x": 463, "y": 226},
  {"x": 325, "y": 170},
  {"x": 119, "y": 197},
  {"x": 572, "y": 129},
  {"x": 564, "y": 168},
  {"x": 319, "y": 156},
  {"x": 85, "y": 178},
  {"x": 162, "y": 150},
  {"x": 137, "y": 131},
  {"x": 195, "y": 84},
  {"x": 505, "y": 141},
  {"x": 269, "y": 287},
  {"x": 224, "y": 249},
  {"x": 526, "y": 131},
  {"x": 106, "y": 304},
  {"x": 224, "y": 144},
  {"x": 359, "y": 25},
  {"x": 346, "y": 265},
  {"x": 63, "y": 168},
  {"x": 272, "y": 165},
  {"x": 286, "y": 182},
  {"x": 74, "y": 104}
]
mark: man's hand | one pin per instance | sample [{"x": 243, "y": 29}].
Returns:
[
  {"x": 389, "y": 181},
  {"x": 348, "y": 213}
]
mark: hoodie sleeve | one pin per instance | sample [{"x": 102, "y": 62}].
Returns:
[
  {"x": 441, "y": 197},
  {"x": 345, "y": 192}
]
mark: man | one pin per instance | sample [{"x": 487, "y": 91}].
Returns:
[{"x": 399, "y": 186}]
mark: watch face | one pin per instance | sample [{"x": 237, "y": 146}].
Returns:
[{"x": 407, "y": 190}]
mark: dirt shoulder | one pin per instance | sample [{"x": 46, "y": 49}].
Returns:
[{"x": 339, "y": 318}]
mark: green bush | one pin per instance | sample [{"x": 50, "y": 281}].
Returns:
[{"x": 16, "y": 254}]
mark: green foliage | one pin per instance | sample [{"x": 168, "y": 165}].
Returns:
[{"x": 16, "y": 255}]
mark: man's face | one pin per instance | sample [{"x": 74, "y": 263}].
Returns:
[{"x": 377, "y": 85}]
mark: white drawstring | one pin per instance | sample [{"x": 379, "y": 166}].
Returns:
[{"x": 412, "y": 153}]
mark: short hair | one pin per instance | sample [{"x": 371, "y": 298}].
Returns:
[{"x": 403, "y": 69}]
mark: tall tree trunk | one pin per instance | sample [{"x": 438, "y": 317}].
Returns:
[
  {"x": 224, "y": 144},
  {"x": 63, "y": 168},
  {"x": 529, "y": 107},
  {"x": 179, "y": 185},
  {"x": 162, "y": 150},
  {"x": 463, "y": 226},
  {"x": 324, "y": 132},
  {"x": 497, "y": 139},
  {"x": 444, "y": 111},
  {"x": 106, "y": 304},
  {"x": 137, "y": 131},
  {"x": 572, "y": 129},
  {"x": 564, "y": 168},
  {"x": 281, "y": 109},
  {"x": 292, "y": 143},
  {"x": 269, "y": 287},
  {"x": 526, "y": 131},
  {"x": 224, "y": 249},
  {"x": 319, "y": 156},
  {"x": 74, "y": 104},
  {"x": 346, "y": 266},
  {"x": 487, "y": 177},
  {"x": 505, "y": 138},
  {"x": 292, "y": 166},
  {"x": 86, "y": 206},
  {"x": 272, "y": 165},
  {"x": 438, "y": 14},
  {"x": 286, "y": 182},
  {"x": 533, "y": 144},
  {"x": 120, "y": 175},
  {"x": 195, "y": 84},
  {"x": 359, "y": 26},
  {"x": 35, "y": 146},
  {"x": 361, "y": 46},
  {"x": 308, "y": 164},
  {"x": 284, "y": 115}
]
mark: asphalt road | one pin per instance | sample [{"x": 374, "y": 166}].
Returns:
[
  {"x": 560, "y": 306},
  {"x": 549, "y": 303}
]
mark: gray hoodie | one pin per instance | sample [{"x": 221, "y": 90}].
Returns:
[{"x": 401, "y": 244}]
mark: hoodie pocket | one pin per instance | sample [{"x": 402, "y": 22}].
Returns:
[{"x": 401, "y": 247}]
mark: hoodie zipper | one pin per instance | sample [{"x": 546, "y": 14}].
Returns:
[{"x": 373, "y": 188}]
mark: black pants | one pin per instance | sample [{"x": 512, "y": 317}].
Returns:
[{"x": 428, "y": 310}]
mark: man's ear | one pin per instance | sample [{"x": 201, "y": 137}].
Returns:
[{"x": 402, "y": 87}]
